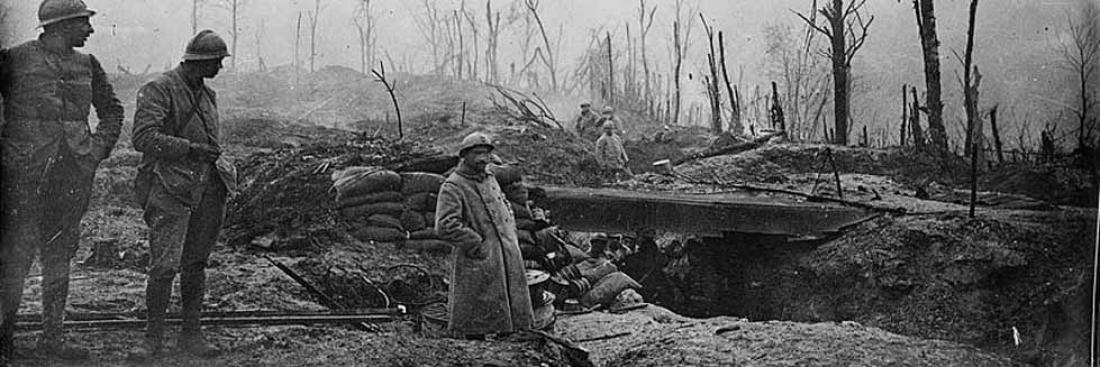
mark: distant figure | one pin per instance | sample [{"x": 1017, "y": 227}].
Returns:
[
  {"x": 48, "y": 158},
  {"x": 609, "y": 148},
  {"x": 488, "y": 292},
  {"x": 586, "y": 122},
  {"x": 182, "y": 184}
]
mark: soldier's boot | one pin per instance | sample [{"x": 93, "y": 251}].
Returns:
[
  {"x": 157, "y": 295},
  {"x": 55, "y": 291},
  {"x": 192, "y": 290}
]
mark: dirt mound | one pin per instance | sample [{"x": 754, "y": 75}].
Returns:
[
  {"x": 656, "y": 337},
  {"x": 272, "y": 132},
  {"x": 287, "y": 192},
  {"x": 967, "y": 280},
  {"x": 552, "y": 156}
]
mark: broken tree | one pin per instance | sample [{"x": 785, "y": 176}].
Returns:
[{"x": 926, "y": 24}]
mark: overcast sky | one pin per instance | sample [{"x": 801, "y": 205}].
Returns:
[{"x": 1016, "y": 41}]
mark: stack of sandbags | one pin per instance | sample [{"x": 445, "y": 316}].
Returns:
[{"x": 386, "y": 206}]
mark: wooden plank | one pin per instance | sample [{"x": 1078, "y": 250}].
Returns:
[{"x": 609, "y": 210}]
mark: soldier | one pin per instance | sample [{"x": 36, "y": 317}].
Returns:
[
  {"x": 609, "y": 148},
  {"x": 586, "y": 121},
  {"x": 48, "y": 160},
  {"x": 182, "y": 183},
  {"x": 489, "y": 292}
]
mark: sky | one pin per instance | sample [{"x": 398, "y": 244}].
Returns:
[{"x": 1016, "y": 42}]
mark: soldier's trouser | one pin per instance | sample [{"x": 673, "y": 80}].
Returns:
[
  {"x": 42, "y": 207},
  {"x": 180, "y": 241}
]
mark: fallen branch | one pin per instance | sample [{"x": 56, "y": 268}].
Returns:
[
  {"x": 729, "y": 149},
  {"x": 523, "y": 108},
  {"x": 325, "y": 299}
]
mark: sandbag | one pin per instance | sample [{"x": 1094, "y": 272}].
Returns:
[
  {"x": 380, "y": 234},
  {"x": 421, "y": 202},
  {"x": 412, "y": 221},
  {"x": 429, "y": 219},
  {"x": 506, "y": 174},
  {"x": 595, "y": 269},
  {"x": 385, "y": 220},
  {"x": 377, "y": 197},
  {"x": 427, "y": 245},
  {"x": 424, "y": 234},
  {"x": 367, "y": 210},
  {"x": 604, "y": 291},
  {"x": 356, "y": 181},
  {"x": 418, "y": 182}
]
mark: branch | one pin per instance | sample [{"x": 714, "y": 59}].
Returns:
[
  {"x": 380, "y": 76},
  {"x": 813, "y": 25}
]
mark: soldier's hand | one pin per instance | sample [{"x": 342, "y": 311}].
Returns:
[
  {"x": 204, "y": 152},
  {"x": 477, "y": 252}
]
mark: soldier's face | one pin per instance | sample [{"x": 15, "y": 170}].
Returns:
[
  {"x": 477, "y": 158},
  {"x": 77, "y": 30},
  {"x": 208, "y": 68}
]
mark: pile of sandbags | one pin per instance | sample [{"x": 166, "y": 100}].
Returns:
[{"x": 385, "y": 206}]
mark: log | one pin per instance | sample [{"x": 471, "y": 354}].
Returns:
[{"x": 731, "y": 149}]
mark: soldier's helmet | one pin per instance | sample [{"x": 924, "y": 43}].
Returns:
[
  {"x": 475, "y": 140},
  {"x": 206, "y": 45},
  {"x": 608, "y": 109},
  {"x": 53, "y": 11}
]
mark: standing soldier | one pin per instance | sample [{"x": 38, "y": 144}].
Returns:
[
  {"x": 488, "y": 282},
  {"x": 182, "y": 183},
  {"x": 48, "y": 157},
  {"x": 609, "y": 148},
  {"x": 586, "y": 121}
]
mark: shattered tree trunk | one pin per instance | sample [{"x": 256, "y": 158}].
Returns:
[
  {"x": 970, "y": 99},
  {"x": 904, "y": 115},
  {"x": 840, "y": 75},
  {"x": 778, "y": 120},
  {"x": 712, "y": 85},
  {"x": 996, "y": 135},
  {"x": 734, "y": 96},
  {"x": 926, "y": 24},
  {"x": 914, "y": 121}
]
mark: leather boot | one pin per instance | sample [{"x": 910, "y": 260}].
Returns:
[
  {"x": 157, "y": 295},
  {"x": 192, "y": 292}
]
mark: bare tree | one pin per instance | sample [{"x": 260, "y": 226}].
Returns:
[
  {"x": 431, "y": 28},
  {"x": 365, "y": 26},
  {"x": 803, "y": 77},
  {"x": 259, "y": 44},
  {"x": 645, "y": 23},
  {"x": 313, "y": 17},
  {"x": 1081, "y": 56},
  {"x": 548, "y": 55},
  {"x": 846, "y": 31},
  {"x": 195, "y": 16},
  {"x": 380, "y": 76},
  {"x": 926, "y": 24},
  {"x": 711, "y": 82},
  {"x": 234, "y": 7},
  {"x": 492, "y": 20},
  {"x": 681, "y": 36},
  {"x": 731, "y": 90}
]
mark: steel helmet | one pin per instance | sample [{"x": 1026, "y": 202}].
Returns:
[
  {"x": 475, "y": 140},
  {"x": 206, "y": 45},
  {"x": 608, "y": 109},
  {"x": 53, "y": 11}
]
